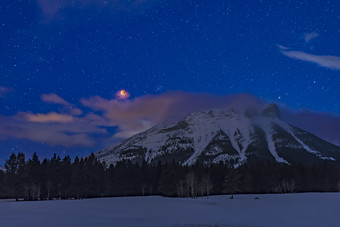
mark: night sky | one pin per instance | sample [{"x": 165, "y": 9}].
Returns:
[{"x": 62, "y": 63}]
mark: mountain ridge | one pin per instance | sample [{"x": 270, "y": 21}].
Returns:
[{"x": 228, "y": 135}]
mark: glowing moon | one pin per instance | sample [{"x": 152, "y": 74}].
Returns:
[{"x": 122, "y": 94}]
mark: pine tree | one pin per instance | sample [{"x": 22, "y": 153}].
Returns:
[
  {"x": 231, "y": 182},
  {"x": 2, "y": 183},
  {"x": 168, "y": 179},
  {"x": 21, "y": 176},
  {"x": 33, "y": 187},
  {"x": 11, "y": 164},
  {"x": 65, "y": 177},
  {"x": 11, "y": 167}
]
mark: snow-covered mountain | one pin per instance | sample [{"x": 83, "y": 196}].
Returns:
[{"x": 233, "y": 137}]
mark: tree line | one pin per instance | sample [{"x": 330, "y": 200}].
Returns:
[{"x": 87, "y": 177}]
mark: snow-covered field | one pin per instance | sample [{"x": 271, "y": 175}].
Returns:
[{"x": 308, "y": 209}]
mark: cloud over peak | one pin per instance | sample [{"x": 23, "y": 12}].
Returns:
[{"x": 128, "y": 117}]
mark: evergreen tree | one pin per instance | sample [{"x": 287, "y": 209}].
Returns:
[
  {"x": 2, "y": 183},
  {"x": 11, "y": 167},
  {"x": 87, "y": 177},
  {"x": 168, "y": 180},
  {"x": 21, "y": 176},
  {"x": 33, "y": 186},
  {"x": 231, "y": 182},
  {"x": 77, "y": 182},
  {"x": 65, "y": 177}
]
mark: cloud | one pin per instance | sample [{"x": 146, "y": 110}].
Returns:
[
  {"x": 126, "y": 117},
  {"x": 309, "y": 36},
  {"x": 133, "y": 116},
  {"x": 323, "y": 125},
  {"x": 50, "y": 8},
  {"x": 282, "y": 47},
  {"x": 327, "y": 61},
  {"x": 54, "y": 98},
  {"x": 75, "y": 111},
  {"x": 139, "y": 114},
  {"x": 53, "y": 134},
  {"x": 50, "y": 117},
  {"x": 106, "y": 121},
  {"x": 78, "y": 133},
  {"x": 4, "y": 91}
]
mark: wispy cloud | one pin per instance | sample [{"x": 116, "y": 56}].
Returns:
[
  {"x": 50, "y": 117},
  {"x": 53, "y": 129},
  {"x": 54, "y": 98},
  {"x": 327, "y": 61},
  {"x": 282, "y": 47},
  {"x": 309, "y": 36},
  {"x": 50, "y": 8}
]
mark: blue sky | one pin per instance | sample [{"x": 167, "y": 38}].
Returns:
[{"x": 74, "y": 52}]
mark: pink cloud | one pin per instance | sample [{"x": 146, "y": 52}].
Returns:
[
  {"x": 129, "y": 117},
  {"x": 139, "y": 114},
  {"x": 54, "y": 98},
  {"x": 79, "y": 132},
  {"x": 172, "y": 104},
  {"x": 51, "y": 134},
  {"x": 50, "y": 117},
  {"x": 75, "y": 111}
]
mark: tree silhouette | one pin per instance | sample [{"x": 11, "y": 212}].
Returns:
[
  {"x": 87, "y": 177},
  {"x": 231, "y": 182}
]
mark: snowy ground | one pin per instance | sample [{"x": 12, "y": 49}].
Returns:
[{"x": 308, "y": 209}]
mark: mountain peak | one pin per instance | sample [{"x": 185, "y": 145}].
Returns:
[
  {"x": 271, "y": 111},
  {"x": 223, "y": 135}
]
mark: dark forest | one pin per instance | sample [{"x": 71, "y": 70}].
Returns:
[{"x": 81, "y": 178}]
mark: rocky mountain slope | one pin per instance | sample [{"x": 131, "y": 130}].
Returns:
[{"x": 233, "y": 137}]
